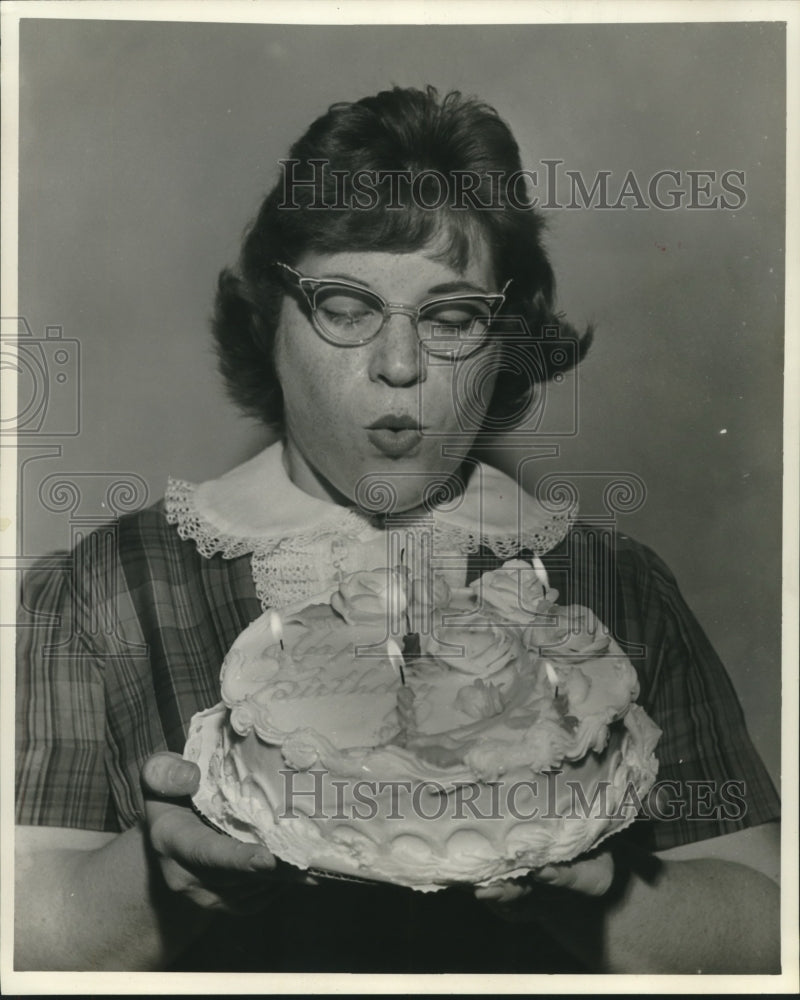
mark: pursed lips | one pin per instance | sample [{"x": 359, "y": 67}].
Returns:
[
  {"x": 395, "y": 435},
  {"x": 395, "y": 422}
]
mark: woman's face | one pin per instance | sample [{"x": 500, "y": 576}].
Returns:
[{"x": 384, "y": 410}]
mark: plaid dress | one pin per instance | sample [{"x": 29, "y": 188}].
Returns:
[{"x": 120, "y": 648}]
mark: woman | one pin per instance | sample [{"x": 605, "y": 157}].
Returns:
[{"x": 383, "y": 294}]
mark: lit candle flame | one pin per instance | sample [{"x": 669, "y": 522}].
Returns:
[
  {"x": 276, "y": 627},
  {"x": 541, "y": 572},
  {"x": 552, "y": 676},
  {"x": 396, "y": 601},
  {"x": 395, "y": 658}
]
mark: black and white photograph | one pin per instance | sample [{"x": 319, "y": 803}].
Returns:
[{"x": 397, "y": 559}]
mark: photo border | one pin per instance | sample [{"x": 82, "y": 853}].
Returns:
[{"x": 412, "y": 12}]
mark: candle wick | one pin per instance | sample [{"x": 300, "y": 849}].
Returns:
[{"x": 283, "y": 648}]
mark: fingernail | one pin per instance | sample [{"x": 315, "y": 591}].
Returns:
[
  {"x": 547, "y": 874},
  {"x": 262, "y": 862},
  {"x": 183, "y": 772}
]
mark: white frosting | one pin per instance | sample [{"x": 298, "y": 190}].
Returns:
[{"x": 330, "y": 712}]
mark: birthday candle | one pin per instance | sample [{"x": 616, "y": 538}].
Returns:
[
  {"x": 552, "y": 676},
  {"x": 276, "y": 627},
  {"x": 541, "y": 572},
  {"x": 396, "y": 658}
]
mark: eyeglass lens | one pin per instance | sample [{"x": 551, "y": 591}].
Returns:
[{"x": 354, "y": 315}]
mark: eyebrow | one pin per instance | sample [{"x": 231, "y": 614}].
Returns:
[{"x": 444, "y": 288}]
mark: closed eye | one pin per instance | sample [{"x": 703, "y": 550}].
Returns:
[{"x": 345, "y": 317}]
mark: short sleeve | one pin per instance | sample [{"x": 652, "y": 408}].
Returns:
[
  {"x": 711, "y": 780},
  {"x": 61, "y": 777},
  {"x": 119, "y": 644}
]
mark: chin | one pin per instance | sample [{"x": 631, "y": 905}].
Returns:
[{"x": 400, "y": 487}]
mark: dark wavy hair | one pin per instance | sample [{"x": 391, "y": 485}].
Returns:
[{"x": 397, "y": 130}]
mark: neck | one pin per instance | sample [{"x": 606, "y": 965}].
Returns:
[
  {"x": 306, "y": 478},
  {"x": 310, "y": 481}
]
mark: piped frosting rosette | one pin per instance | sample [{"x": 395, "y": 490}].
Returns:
[{"x": 513, "y": 743}]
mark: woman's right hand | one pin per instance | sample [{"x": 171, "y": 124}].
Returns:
[{"x": 211, "y": 869}]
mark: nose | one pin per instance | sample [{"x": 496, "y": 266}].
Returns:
[{"x": 397, "y": 357}]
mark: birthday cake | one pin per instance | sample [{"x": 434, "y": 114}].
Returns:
[{"x": 412, "y": 732}]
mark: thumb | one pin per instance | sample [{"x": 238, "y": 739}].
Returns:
[{"x": 168, "y": 775}]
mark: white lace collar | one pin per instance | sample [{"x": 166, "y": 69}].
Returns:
[{"x": 300, "y": 544}]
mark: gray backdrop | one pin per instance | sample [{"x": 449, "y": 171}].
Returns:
[{"x": 145, "y": 149}]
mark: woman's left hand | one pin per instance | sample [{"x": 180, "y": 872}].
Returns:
[{"x": 591, "y": 876}]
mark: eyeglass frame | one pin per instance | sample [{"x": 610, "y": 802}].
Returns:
[{"x": 311, "y": 286}]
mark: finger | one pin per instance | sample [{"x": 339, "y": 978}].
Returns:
[
  {"x": 240, "y": 886},
  {"x": 589, "y": 876},
  {"x": 504, "y": 893},
  {"x": 242, "y": 902},
  {"x": 224, "y": 902},
  {"x": 204, "y": 898},
  {"x": 168, "y": 775},
  {"x": 176, "y": 832},
  {"x": 509, "y": 901}
]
